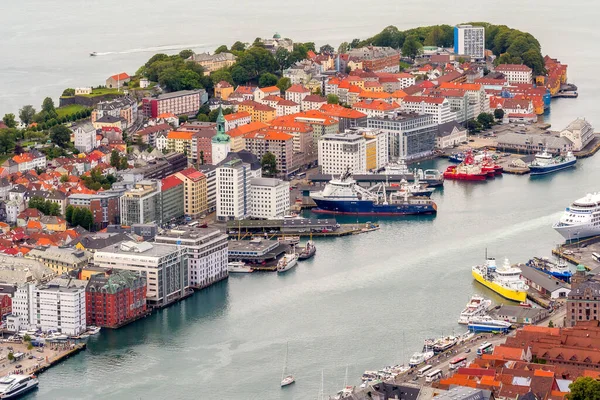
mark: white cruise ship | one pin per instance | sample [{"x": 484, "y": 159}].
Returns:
[
  {"x": 581, "y": 219},
  {"x": 477, "y": 306},
  {"x": 12, "y": 386}
]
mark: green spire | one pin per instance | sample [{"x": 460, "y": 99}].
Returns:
[
  {"x": 581, "y": 268},
  {"x": 221, "y": 136}
]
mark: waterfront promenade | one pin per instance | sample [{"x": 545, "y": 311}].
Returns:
[{"x": 37, "y": 359}]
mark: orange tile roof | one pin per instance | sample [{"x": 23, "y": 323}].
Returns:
[
  {"x": 375, "y": 105},
  {"x": 509, "y": 353},
  {"x": 399, "y": 94},
  {"x": 367, "y": 94},
  {"x": 32, "y": 224},
  {"x": 245, "y": 129},
  {"x": 166, "y": 115},
  {"x": 245, "y": 89},
  {"x": 272, "y": 98},
  {"x": 465, "y": 86},
  {"x": 426, "y": 99},
  {"x": 337, "y": 111},
  {"x": 120, "y": 77},
  {"x": 237, "y": 115},
  {"x": 270, "y": 89},
  {"x": 297, "y": 89},
  {"x": 183, "y": 135},
  {"x": 45, "y": 242}
]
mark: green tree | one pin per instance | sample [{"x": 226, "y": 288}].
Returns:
[
  {"x": 69, "y": 92},
  {"x": 60, "y": 135},
  {"x": 29, "y": 346},
  {"x": 27, "y": 338},
  {"x": 115, "y": 158},
  {"x": 10, "y": 120},
  {"x": 221, "y": 75},
  {"x": 238, "y": 46},
  {"x": 411, "y": 47},
  {"x": 267, "y": 79},
  {"x": 333, "y": 99},
  {"x": 7, "y": 141},
  {"x": 284, "y": 84},
  {"x": 52, "y": 208},
  {"x": 584, "y": 388},
  {"x": 343, "y": 47},
  {"x": 486, "y": 120},
  {"x": 221, "y": 49},
  {"x": 473, "y": 126},
  {"x": 498, "y": 113},
  {"x": 550, "y": 324},
  {"x": 282, "y": 57},
  {"x": 26, "y": 114},
  {"x": 202, "y": 118},
  {"x": 11, "y": 356},
  {"x": 326, "y": 48},
  {"x": 268, "y": 163},
  {"x": 69, "y": 213},
  {"x": 174, "y": 80},
  {"x": 48, "y": 107},
  {"x": 185, "y": 54},
  {"x": 38, "y": 203},
  {"x": 239, "y": 74},
  {"x": 123, "y": 163}
]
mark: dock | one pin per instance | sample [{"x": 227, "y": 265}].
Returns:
[
  {"x": 342, "y": 230},
  {"x": 41, "y": 359},
  {"x": 580, "y": 252}
]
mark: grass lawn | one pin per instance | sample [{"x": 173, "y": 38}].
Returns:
[
  {"x": 101, "y": 92},
  {"x": 68, "y": 110}
]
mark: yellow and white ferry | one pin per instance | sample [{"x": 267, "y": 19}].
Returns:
[{"x": 506, "y": 280}]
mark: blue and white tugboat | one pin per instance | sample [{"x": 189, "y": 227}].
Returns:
[
  {"x": 559, "y": 270},
  {"x": 488, "y": 324},
  {"x": 545, "y": 163}
]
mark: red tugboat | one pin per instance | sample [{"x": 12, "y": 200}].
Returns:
[
  {"x": 468, "y": 170},
  {"x": 489, "y": 165}
]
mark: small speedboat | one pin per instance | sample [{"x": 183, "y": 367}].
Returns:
[{"x": 93, "y": 54}]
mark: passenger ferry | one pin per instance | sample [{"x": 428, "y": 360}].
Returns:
[
  {"x": 344, "y": 196},
  {"x": 506, "y": 281},
  {"x": 238, "y": 267},
  {"x": 545, "y": 163},
  {"x": 581, "y": 219},
  {"x": 488, "y": 324},
  {"x": 477, "y": 306},
  {"x": 13, "y": 386},
  {"x": 287, "y": 262},
  {"x": 444, "y": 343}
]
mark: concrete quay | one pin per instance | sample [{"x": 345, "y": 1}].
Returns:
[
  {"x": 38, "y": 359},
  {"x": 581, "y": 253}
]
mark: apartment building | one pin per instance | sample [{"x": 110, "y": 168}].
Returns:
[
  {"x": 278, "y": 143},
  {"x": 341, "y": 151},
  {"x": 233, "y": 188},
  {"x": 439, "y": 107},
  {"x": 270, "y": 198},
  {"x": 142, "y": 204},
  {"x": 183, "y": 102},
  {"x": 469, "y": 41},
  {"x": 195, "y": 196},
  {"x": 515, "y": 73}
]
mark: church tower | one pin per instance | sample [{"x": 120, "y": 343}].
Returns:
[{"x": 221, "y": 142}]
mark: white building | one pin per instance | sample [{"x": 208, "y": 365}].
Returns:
[
  {"x": 450, "y": 134},
  {"x": 164, "y": 266},
  {"x": 469, "y": 41},
  {"x": 221, "y": 142},
  {"x": 270, "y": 198},
  {"x": 377, "y": 146},
  {"x": 161, "y": 140},
  {"x": 83, "y": 90},
  {"x": 296, "y": 93},
  {"x": 580, "y": 132},
  {"x": 232, "y": 121},
  {"x": 286, "y": 107},
  {"x": 340, "y": 151},
  {"x": 85, "y": 137},
  {"x": 58, "y": 305},
  {"x": 233, "y": 189},
  {"x": 210, "y": 172},
  {"x": 439, "y": 107},
  {"x": 206, "y": 253},
  {"x": 142, "y": 204},
  {"x": 515, "y": 73}
]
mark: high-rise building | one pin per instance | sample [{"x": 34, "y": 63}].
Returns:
[
  {"x": 469, "y": 40},
  {"x": 164, "y": 267},
  {"x": 115, "y": 299},
  {"x": 142, "y": 204},
  {"x": 233, "y": 186},
  {"x": 341, "y": 151},
  {"x": 103, "y": 205},
  {"x": 206, "y": 252},
  {"x": 195, "y": 200},
  {"x": 270, "y": 198},
  {"x": 172, "y": 189}
]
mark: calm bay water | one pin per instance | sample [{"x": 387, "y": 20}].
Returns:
[{"x": 364, "y": 301}]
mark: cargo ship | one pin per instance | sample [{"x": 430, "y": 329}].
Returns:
[
  {"x": 545, "y": 163},
  {"x": 559, "y": 270},
  {"x": 506, "y": 280},
  {"x": 343, "y": 196}
]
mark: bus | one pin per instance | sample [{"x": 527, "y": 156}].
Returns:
[
  {"x": 485, "y": 348},
  {"x": 193, "y": 224},
  {"x": 458, "y": 362},
  {"x": 434, "y": 375},
  {"x": 423, "y": 370},
  {"x": 301, "y": 175},
  {"x": 596, "y": 256}
]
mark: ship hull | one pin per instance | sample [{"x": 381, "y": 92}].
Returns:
[
  {"x": 575, "y": 232},
  {"x": 474, "y": 327},
  {"x": 566, "y": 277},
  {"x": 543, "y": 170},
  {"x": 504, "y": 292},
  {"x": 367, "y": 207},
  {"x": 465, "y": 177}
]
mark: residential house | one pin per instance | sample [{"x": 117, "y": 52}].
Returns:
[
  {"x": 117, "y": 81},
  {"x": 85, "y": 137},
  {"x": 195, "y": 192},
  {"x": 223, "y": 90}
]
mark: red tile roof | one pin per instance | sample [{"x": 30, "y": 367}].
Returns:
[
  {"x": 315, "y": 98},
  {"x": 270, "y": 89},
  {"x": 170, "y": 182},
  {"x": 337, "y": 111},
  {"x": 245, "y": 129},
  {"x": 192, "y": 174},
  {"x": 297, "y": 89},
  {"x": 270, "y": 135},
  {"x": 120, "y": 77},
  {"x": 375, "y": 105},
  {"x": 426, "y": 99},
  {"x": 237, "y": 115},
  {"x": 513, "y": 67},
  {"x": 180, "y": 135}
]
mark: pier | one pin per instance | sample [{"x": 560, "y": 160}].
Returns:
[
  {"x": 272, "y": 229},
  {"x": 38, "y": 359}
]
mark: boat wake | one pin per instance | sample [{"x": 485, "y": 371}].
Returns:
[{"x": 154, "y": 49}]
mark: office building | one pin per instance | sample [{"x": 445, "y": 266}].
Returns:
[
  {"x": 172, "y": 189},
  {"x": 270, "y": 198},
  {"x": 142, "y": 204},
  {"x": 233, "y": 187},
  {"x": 342, "y": 151},
  {"x": 469, "y": 41}
]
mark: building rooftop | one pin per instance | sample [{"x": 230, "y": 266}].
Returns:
[
  {"x": 19, "y": 270},
  {"x": 63, "y": 255},
  {"x": 144, "y": 249},
  {"x": 180, "y": 93},
  {"x": 272, "y": 182},
  {"x": 114, "y": 282},
  {"x": 545, "y": 281},
  {"x": 64, "y": 285}
]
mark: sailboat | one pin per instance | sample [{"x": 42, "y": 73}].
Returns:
[{"x": 286, "y": 379}]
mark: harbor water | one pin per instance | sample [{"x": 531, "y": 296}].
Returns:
[{"x": 364, "y": 301}]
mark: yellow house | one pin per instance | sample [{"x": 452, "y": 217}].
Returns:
[
  {"x": 223, "y": 90},
  {"x": 54, "y": 224},
  {"x": 107, "y": 121},
  {"x": 89, "y": 271},
  {"x": 238, "y": 143},
  {"x": 195, "y": 191},
  {"x": 59, "y": 259},
  {"x": 181, "y": 142},
  {"x": 258, "y": 112}
]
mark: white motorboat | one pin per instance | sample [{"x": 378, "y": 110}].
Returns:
[
  {"x": 477, "y": 306},
  {"x": 287, "y": 262},
  {"x": 13, "y": 386},
  {"x": 419, "y": 358},
  {"x": 93, "y": 330},
  {"x": 93, "y": 54},
  {"x": 238, "y": 266}
]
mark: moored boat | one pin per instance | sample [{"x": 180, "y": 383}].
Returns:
[
  {"x": 419, "y": 358},
  {"x": 546, "y": 163},
  {"x": 581, "y": 219},
  {"x": 488, "y": 324},
  {"x": 477, "y": 306},
  {"x": 308, "y": 251},
  {"x": 444, "y": 343},
  {"x": 238, "y": 267},
  {"x": 13, "y": 385},
  {"x": 559, "y": 270},
  {"x": 287, "y": 262},
  {"x": 291, "y": 240},
  {"x": 506, "y": 280},
  {"x": 93, "y": 54}
]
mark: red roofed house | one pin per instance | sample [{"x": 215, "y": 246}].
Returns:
[
  {"x": 266, "y": 91},
  {"x": 279, "y": 143},
  {"x": 347, "y": 117},
  {"x": 312, "y": 102},
  {"x": 117, "y": 81},
  {"x": 375, "y": 108},
  {"x": 223, "y": 90},
  {"x": 296, "y": 93},
  {"x": 439, "y": 107},
  {"x": 237, "y": 119},
  {"x": 515, "y": 73},
  {"x": 238, "y": 143}
]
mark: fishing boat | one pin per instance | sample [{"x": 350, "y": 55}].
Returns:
[
  {"x": 344, "y": 196},
  {"x": 93, "y": 54},
  {"x": 287, "y": 262},
  {"x": 546, "y": 163},
  {"x": 286, "y": 379},
  {"x": 238, "y": 267},
  {"x": 488, "y": 324},
  {"x": 477, "y": 306},
  {"x": 308, "y": 251},
  {"x": 456, "y": 157},
  {"x": 559, "y": 270},
  {"x": 506, "y": 280}
]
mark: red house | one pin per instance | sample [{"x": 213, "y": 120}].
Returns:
[{"x": 115, "y": 299}]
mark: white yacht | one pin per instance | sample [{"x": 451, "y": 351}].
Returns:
[
  {"x": 477, "y": 306},
  {"x": 238, "y": 266},
  {"x": 581, "y": 219},
  {"x": 419, "y": 358},
  {"x": 12, "y": 386},
  {"x": 287, "y": 262}
]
